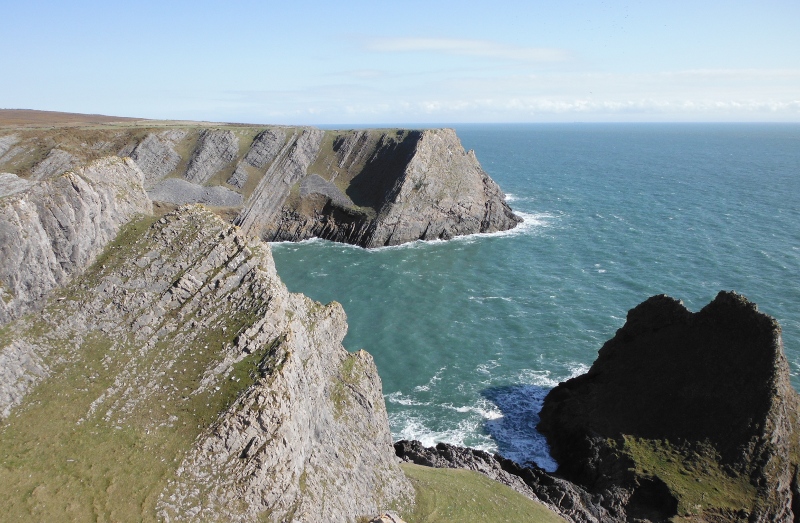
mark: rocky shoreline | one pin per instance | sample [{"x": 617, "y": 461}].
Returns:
[{"x": 154, "y": 366}]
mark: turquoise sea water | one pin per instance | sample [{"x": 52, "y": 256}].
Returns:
[{"x": 470, "y": 334}]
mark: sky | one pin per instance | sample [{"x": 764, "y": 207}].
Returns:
[{"x": 403, "y": 62}]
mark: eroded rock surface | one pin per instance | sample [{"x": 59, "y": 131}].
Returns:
[
  {"x": 216, "y": 148},
  {"x": 156, "y": 156},
  {"x": 192, "y": 359},
  {"x": 181, "y": 192},
  {"x": 402, "y": 186},
  {"x": 55, "y": 228},
  {"x": 683, "y": 414},
  {"x": 56, "y": 162}
]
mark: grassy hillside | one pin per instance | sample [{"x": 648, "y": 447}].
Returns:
[{"x": 458, "y": 496}]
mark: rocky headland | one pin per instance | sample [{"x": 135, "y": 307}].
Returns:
[
  {"x": 152, "y": 364},
  {"x": 365, "y": 187},
  {"x": 154, "y": 367}
]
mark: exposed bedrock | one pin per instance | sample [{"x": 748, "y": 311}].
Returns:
[
  {"x": 239, "y": 392},
  {"x": 180, "y": 192},
  {"x": 52, "y": 229},
  {"x": 56, "y": 162},
  {"x": 683, "y": 414},
  {"x": 216, "y": 148},
  {"x": 366, "y": 187},
  {"x": 402, "y": 186},
  {"x": 156, "y": 156}
]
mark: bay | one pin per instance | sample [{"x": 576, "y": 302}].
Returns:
[{"x": 470, "y": 334}]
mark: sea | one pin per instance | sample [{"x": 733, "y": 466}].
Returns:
[{"x": 470, "y": 334}]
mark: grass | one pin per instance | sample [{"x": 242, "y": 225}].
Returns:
[
  {"x": 456, "y": 496},
  {"x": 693, "y": 475},
  {"x": 62, "y": 460}
]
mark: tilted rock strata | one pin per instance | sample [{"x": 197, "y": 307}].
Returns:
[
  {"x": 417, "y": 185},
  {"x": 156, "y": 156},
  {"x": 57, "y": 162},
  {"x": 676, "y": 393},
  {"x": 367, "y": 187},
  {"x": 216, "y": 148},
  {"x": 55, "y": 228},
  {"x": 190, "y": 311},
  {"x": 291, "y": 164}
]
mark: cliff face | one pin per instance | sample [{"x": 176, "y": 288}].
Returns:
[
  {"x": 369, "y": 187},
  {"x": 179, "y": 380},
  {"x": 401, "y": 187},
  {"x": 683, "y": 414},
  {"x": 52, "y": 229}
]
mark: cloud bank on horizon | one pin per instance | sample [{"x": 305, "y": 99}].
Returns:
[{"x": 420, "y": 62}]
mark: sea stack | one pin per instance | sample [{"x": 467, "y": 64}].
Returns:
[{"x": 687, "y": 415}]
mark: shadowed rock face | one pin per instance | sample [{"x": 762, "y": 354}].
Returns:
[
  {"x": 677, "y": 394},
  {"x": 404, "y": 186},
  {"x": 372, "y": 187}
]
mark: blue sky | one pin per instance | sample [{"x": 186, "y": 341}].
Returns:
[{"x": 370, "y": 62}]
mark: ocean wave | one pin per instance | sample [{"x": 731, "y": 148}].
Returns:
[
  {"x": 530, "y": 222},
  {"x": 465, "y": 434}
]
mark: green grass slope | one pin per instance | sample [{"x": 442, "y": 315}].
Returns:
[{"x": 458, "y": 496}]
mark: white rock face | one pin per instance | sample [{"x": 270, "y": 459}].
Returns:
[
  {"x": 215, "y": 149},
  {"x": 57, "y": 227},
  {"x": 156, "y": 156},
  {"x": 56, "y": 162},
  {"x": 11, "y": 184}
]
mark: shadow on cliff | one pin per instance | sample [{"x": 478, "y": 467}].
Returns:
[
  {"x": 515, "y": 432},
  {"x": 373, "y": 186}
]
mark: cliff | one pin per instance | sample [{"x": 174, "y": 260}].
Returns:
[
  {"x": 369, "y": 187},
  {"x": 687, "y": 415},
  {"x": 177, "y": 379},
  {"x": 53, "y": 229}
]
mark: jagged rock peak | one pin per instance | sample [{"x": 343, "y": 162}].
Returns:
[{"x": 677, "y": 393}]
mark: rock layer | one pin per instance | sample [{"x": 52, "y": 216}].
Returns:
[
  {"x": 404, "y": 186},
  {"x": 677, "y": 394},
  {"x": 55, "y": 228},
  {"x": 216, "y": 148},
  {"x": 367, "y": 187},
  {"x": 178, "y": 320}
]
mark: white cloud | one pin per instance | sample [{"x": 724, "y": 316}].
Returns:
[{"x": 466, "y": 47}]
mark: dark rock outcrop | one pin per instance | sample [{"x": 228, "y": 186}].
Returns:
[{"x": 683, "y": 414}]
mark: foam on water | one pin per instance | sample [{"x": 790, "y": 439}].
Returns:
[{"x": 470, "y": 334}]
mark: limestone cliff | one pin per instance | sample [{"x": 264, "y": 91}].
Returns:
[
  {"x": 685, "y": 415},
  {"x": 177, "y": 379},
  {"x": 368, "y": 187},
  {"x": 55, "y": 228},
  {"x": 401, "y": 186}
]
